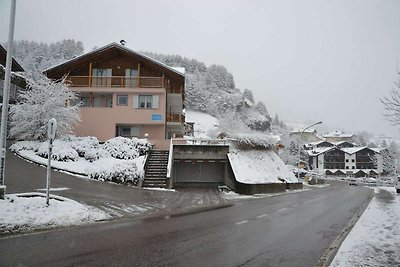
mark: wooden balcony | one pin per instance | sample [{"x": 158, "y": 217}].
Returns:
[
  {"x": 115, "y": 81},
  {"x": 175, "y": 118}
]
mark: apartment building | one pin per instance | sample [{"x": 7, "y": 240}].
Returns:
[
  {"x": 344, "y": 159},
  {"x": 125, "y": 93}
]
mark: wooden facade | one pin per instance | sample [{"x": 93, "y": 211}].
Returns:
[{"x": 114, "y": 71}]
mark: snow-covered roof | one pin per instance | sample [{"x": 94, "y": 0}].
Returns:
[
  {"x": 318, "y": 150},
  {"x": 306, "y": 131},
  {"x": 116, "y": 45},
  {"x": 180, "y": 69},
  {"x": 338, "y": 134}
]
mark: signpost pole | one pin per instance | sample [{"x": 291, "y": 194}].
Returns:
[{"x": 51, "y": 134}]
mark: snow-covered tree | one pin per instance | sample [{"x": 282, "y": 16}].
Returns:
[
  {"x": 44, "y": 100},
  {"x": 248, "y": 94},
  {"x": 276, "y": 120},
  {"x": 34, "y": 57}
]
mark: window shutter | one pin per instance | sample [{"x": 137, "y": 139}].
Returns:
[
  {"x": 135, "y": 101},
  {"x": 156, "y": 99}
]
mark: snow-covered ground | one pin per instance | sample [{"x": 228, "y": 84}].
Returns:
[
  {"x": 116, "y": 160},
  {"x": 205, "y": 126},
  {"x": 259, "y": 167},
  {"x": 28, "y": 211},
  {"x": 375, "y": 239},
  {"x": 82, "y": 166}
]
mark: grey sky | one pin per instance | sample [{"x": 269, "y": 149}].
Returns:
[{"x": 306, "y": 60}]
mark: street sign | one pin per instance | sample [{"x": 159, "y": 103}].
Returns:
[{"x": 51, "y": 129}]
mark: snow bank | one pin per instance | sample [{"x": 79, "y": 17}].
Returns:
[
  {"x": 120, "y": 160},
  {"x": 375, "y": 239},
  {"x": 254, "y": 140},
  {"x": 205, "y": 126},
  {"x": 259, "y": 167},
  {"x": 28, "y": 211}
]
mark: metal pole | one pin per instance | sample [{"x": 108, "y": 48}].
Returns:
[
  {"x": 301, "y": 134},
  {"x": 6, "y": 96},
  {"x": 48, "y": 172}
]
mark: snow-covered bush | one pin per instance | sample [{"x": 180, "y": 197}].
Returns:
[
  {"x": 123, "y": 172},
  {"x": 25, "y": 145},
  {"x": 92, "y": 154},
  {"x": 44, "y": 100},
  {"x": 254, "y": 141},
  {"x": 126, "y": 148},
  {"x": 82, "y": 144},
  {"x": 62, "y": 151}
]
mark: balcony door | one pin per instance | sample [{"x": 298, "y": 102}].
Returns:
[
  {"x": 101, "y": 77},
  {"x": 131, "y": 78}
]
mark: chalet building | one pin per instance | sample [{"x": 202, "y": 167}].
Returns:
[
  {"x": 345, "y": 159},
  {"x": 309, "y": 135},
  {"x": 15, "y": 66},
  {"x": 17, "y": 82},
  {"x": 125, "y": 93},
  {"x": 338, "y": 136}
]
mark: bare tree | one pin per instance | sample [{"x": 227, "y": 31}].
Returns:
[{"x": 392, "y": 103}]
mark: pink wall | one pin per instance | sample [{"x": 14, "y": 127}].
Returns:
[{"x": 101, "y": 121}]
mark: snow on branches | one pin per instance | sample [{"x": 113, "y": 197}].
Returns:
[{"x": 43, "y": 100}]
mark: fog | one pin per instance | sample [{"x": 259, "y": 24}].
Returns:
[{"x": 306, "y": 60}]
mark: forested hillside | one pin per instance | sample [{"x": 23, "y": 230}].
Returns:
[
  {"x": 212, "y": 90},
  {"x": 208, "y": 89}
]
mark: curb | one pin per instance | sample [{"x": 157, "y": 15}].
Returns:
[{"x": 331, "y": 251}]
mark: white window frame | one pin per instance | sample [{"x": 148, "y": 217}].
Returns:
[{"x": 118, "y": 100}]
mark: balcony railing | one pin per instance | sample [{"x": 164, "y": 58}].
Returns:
[
  {"x": 175, "y": 117},
  {"x": 115, "y": 81}
]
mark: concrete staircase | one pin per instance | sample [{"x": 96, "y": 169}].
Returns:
[{"x": 155, "y": 174}]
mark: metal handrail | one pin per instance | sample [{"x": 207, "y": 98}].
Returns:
[{"x": 170, "y": 159}]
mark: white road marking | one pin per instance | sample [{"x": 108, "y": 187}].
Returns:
[
  {"x": 282, "y": 209},
  {"x": 241, "y": 222},
  {"x": 262, "y": 216}
]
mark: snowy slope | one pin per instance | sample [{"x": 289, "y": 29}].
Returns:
[
  {"x": 259, "y": 167},
  {"x": 205, "y": 126}
]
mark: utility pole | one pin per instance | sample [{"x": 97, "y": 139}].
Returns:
[{"x": 6, "y": 96}]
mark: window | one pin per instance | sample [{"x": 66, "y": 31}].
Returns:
[
  {"x": 127, "y": 131},
  {"x": 102, "y": 100},
  {"x": 353, "y": 167},
  {"x": 347, "y": 160},
  {"x": 145, "y": 101},
  {"x": 131, "y": 77},
  {"x": 122, "y": 100},
  {"x": 101, "y": 77},
  {"x": 347, "y": 167},
  {"x": 352, "y": 160}
]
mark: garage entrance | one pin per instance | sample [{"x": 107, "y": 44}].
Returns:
[
  {"x": 199, "y": 165},
  {"x": 199, "y": 171}
]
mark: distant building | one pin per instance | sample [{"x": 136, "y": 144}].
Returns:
[
  {"x": 344, "y": 159},
  {"x": 338, "y": 136},
  {"x": 309, "y": 135}
]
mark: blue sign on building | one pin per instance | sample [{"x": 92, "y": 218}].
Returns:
[{"x": 156, "y": 117}]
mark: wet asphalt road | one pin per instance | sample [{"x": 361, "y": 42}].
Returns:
[
  {"x": 117, "y": 200},
  {"x": 286, "y": 230}
]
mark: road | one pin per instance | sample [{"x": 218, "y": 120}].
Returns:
[
  {"x": 286, "y": 230},
  {"x": 117, "y": 200}
]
